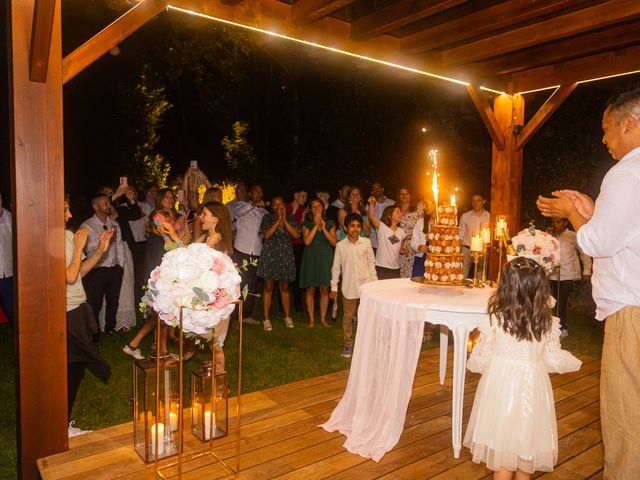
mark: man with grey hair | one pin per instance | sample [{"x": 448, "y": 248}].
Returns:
[{"x": 609, "y": 231}]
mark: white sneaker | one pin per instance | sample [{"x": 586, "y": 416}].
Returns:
[
  {"x": 134, "y": 352},
  {"x": 288, "y": 321},
  {"x": 266, "y": 325},
  {"x": 75, "y": 431}
]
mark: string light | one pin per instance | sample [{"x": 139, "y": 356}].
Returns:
[{"x": 320, "y": 46}]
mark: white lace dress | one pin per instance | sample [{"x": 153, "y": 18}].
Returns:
[{"x": 513, "y": 420}]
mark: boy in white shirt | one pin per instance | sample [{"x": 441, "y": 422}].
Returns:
[
  {"x": 568, "y": 270},
  {"x": 354, "y": 258}
]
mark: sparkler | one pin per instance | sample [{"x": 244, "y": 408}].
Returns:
[{"x": 434, "y": 184}]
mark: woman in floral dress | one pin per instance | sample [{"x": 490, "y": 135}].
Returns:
[
  {"x": 277, "y": 262},
  {"x": 412, "y": 213}
]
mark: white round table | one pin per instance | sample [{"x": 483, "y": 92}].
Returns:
[{"x": 391, "y": 318}]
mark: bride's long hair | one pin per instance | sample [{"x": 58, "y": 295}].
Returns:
[{"x": 223, "y": 227}]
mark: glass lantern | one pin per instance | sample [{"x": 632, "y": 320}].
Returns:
[
  {"x": 145, "y": 418},
  {"x": 203, "y": 414},
  {"x": 502, "y": 226}
]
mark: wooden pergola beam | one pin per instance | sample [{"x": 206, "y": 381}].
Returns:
[
  {"x": 580, "y": 69},
  {"x": 620, "y": 36},
  {"x": 397, "y": 15},
  {"x": 42, "y": 26},
  {"x": 308, "y": 11},
  {"x": 109, "y": 37},
  {"x": 561, "y": 26},
  {"x": 481, "y": 22},
  {"x": 488, "y": 117},
  {"x": 543, "y": 114}
]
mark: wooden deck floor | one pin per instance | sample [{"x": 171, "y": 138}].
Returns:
[{"x": 280, "y": 437}]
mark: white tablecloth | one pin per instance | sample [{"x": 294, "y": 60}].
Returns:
[{"x": 391, "y": 320}]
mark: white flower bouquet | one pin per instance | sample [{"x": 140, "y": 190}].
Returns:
[
  {"x": 537, "y": 245},
  {"x": 202, "y": 280}
]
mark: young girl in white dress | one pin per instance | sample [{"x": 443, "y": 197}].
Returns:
[{"x": 512, "y": 427}]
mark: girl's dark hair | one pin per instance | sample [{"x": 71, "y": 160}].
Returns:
[
  {"x": 309, "y": 215},
  {"x": 223, "y": 226},
  {"x": 520, "y": 305},
  {"x": 387, "y": 213},
  {"x": 347, "y": 205}
]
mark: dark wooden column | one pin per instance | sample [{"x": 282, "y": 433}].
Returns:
[{"x": 37, "y": 171}]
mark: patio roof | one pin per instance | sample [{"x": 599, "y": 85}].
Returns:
[{"x": 530, "y": 44}]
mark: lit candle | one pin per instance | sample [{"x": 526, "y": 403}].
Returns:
[
  {"x": 173, "y": 419},
  {"x": 160, "y": 439},
  {"x": 207, "y": 424},
  {"x": 476, "y": 243},
  {"x": 469, "y": 345},
  {"x": 486, "y": 236},
  {"x": 453, "y": 200},
  {"x": 501, "y": 228}
]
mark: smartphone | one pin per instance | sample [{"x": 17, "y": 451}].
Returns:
[
  {"x": 123, "y": 182},
  {"x": 181, "y": 196},
  {"x": 194, "y": 165}
]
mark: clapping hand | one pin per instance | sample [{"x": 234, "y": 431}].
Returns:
[
  {"x": 555, "y": 207},
  {"x": 583, "y": 203},
  {"x": 80, "y": 239},
  {"x": 105, "y": 239}
]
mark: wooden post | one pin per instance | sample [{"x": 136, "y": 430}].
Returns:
[
  {"x": 37, "y": 173},
  {"x": 506, "y": 166}
]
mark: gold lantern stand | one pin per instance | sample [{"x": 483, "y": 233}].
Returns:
[{"x": 162, "y": 471}]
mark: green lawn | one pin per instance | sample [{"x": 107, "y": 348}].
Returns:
[{"x": 270, "y": 358}]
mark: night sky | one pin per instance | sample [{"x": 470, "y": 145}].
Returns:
[{"x": 317, "y": 119}]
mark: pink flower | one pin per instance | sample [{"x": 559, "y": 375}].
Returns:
[
  {"x": 218, "y": 266},
  {"x": 155, "y": 275}
]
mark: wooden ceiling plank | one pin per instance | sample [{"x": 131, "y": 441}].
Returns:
[
  {"x": 581, "y": 69},
  {"x": 480, "y": 22},
  {"x": 544, "y": 113},
  {"x": 275, "y": 16},
  {"x": 304, "y": 12},
  {"x": 41, "y": 28},
  {"x": 109, "y": 37},
  {"x": 231, "y": 2},
  {"x": 488, "y": 118},
  {"x": 582, "y": 45},
  {"x": 397, "y": 15},
  {"x": 548, "y": 30}
]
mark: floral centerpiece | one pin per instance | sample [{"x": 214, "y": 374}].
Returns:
[
  {"x": 537, "y": 245},
  {"x": 202, "y": 280}
]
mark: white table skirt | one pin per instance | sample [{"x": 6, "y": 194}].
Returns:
[{"x": 391, "y": 320}]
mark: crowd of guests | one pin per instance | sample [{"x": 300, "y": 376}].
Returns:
[{"x": 313, "y": 250}]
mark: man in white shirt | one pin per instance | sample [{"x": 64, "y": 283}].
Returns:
[
  {"x": 241, "y": 196},
  {"x": 568, "y": 270},
  {"x": 470, "y": 222},
  {"x": 355, "y": 260},
  {"x": 609, "y": 231},
  {"x": 105, "y": 279},
  {"x": 248, "y": 245},
  {"x": 6, "y": 261},
  {"x": 382, "y": 202}
]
